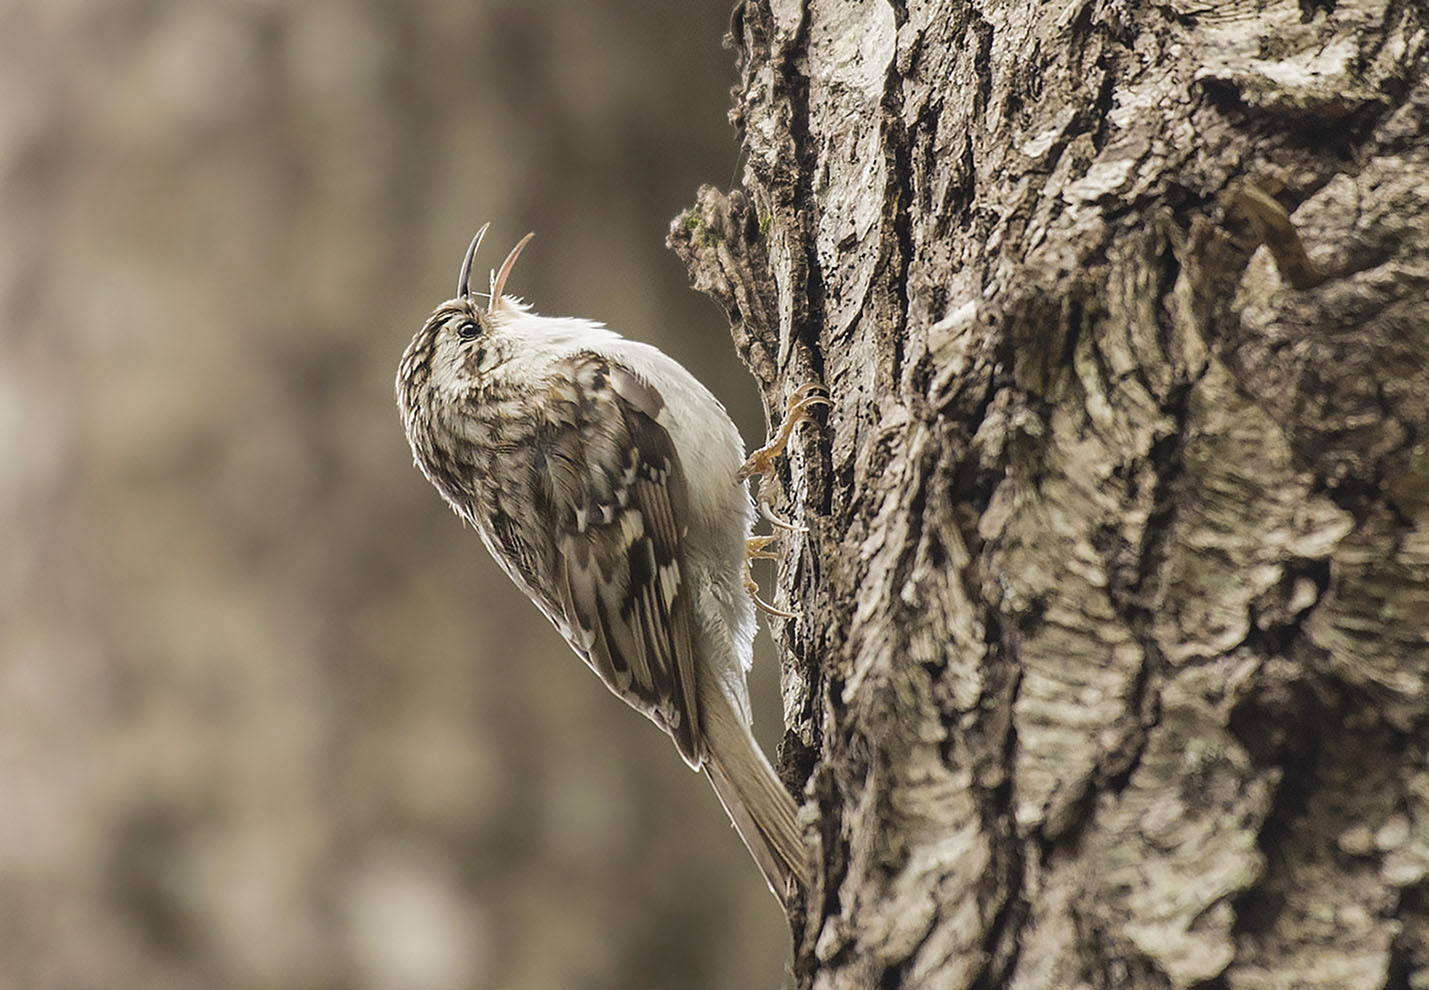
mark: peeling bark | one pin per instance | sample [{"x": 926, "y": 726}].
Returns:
[{"x": 1109, "y": 668}]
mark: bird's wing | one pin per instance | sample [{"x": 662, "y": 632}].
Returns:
[{"x": 614, "y": 487}]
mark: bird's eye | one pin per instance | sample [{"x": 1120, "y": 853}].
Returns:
[{"x": 467, "y": 330}]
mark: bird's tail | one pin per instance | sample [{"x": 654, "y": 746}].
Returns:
[{"x": 761, "y": 809}]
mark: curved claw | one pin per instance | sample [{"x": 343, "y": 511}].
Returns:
[
  {"x": 754, "y": 548},
  {"x": 768, "y": 609},
  {"x": 796, "y": 410},
  {"x": 809, "y": 390},
  {"x": 777, "y": 520}
]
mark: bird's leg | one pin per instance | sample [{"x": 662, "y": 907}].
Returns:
[
  {"x": 756, "y": 548},
  {"x": 807, "y": 396},
  {"x": 761, "y": 462}
]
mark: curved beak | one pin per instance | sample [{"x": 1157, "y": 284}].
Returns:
[
  {"x": 498, "y": 281},
  {"x": 463, "y": 279}
]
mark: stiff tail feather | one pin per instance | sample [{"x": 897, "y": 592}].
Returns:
[{"x": 761, "y": 809}]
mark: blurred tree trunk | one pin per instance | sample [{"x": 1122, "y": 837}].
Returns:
[{"x": 1110, "y": 664}]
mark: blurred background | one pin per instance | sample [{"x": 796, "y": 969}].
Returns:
[{"x": 269, "y": 717}]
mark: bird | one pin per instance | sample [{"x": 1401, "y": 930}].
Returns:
[{"x": 608, "y": 484}]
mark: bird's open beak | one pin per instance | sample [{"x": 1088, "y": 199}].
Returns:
[
  {"x": 498, "y": 280},
  {"x": 463, "y": 279}
]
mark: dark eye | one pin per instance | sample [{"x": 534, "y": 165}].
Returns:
[{"x": 467, "y": 330}]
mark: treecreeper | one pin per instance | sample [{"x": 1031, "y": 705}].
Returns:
[{"x": 608, "y": 484}]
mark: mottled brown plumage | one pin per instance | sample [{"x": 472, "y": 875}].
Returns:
[{"x": 603, "y": 478}]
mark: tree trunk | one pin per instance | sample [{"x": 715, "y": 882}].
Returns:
[{"x": 1110, "y": 661}]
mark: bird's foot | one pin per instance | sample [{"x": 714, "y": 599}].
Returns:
[
  {"x": 804, "y": 398},
  {"x": 757, "y": 548},
  {"x": 761, "y": 462}
]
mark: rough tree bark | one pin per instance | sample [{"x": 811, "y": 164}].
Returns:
[{"x": 1110, "y": 664}]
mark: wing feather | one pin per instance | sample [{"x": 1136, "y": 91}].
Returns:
[{"x": 617, "y": 492}]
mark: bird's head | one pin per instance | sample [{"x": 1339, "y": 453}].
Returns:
[{"x": 454, "y": 344}]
